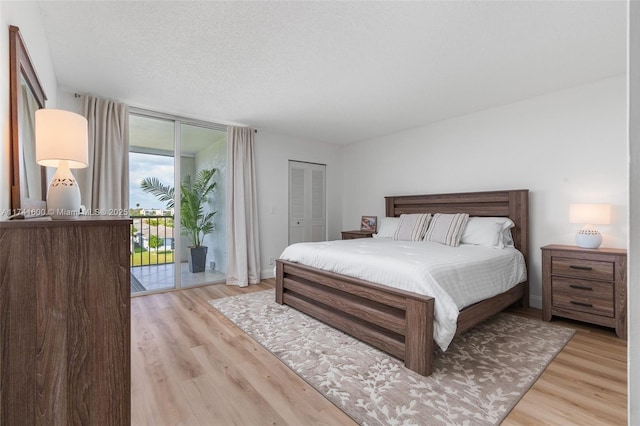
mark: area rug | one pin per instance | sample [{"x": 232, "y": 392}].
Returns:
[{"x": 477, "y": 381}]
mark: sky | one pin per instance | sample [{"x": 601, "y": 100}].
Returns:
[{"x": 146, "y": 165}]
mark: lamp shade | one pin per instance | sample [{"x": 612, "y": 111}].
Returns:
[
  {"x": 592, "y": 214},
  {"x": 61, "y": 136}
]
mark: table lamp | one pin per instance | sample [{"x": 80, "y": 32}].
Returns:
[
  {"x": 62, "y": 142},
  {"x": 589, "y": 215}
]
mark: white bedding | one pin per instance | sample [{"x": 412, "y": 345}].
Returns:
[{"x": 455, "y": 276}]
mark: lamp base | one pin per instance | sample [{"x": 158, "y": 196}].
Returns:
[
  {"x": 588, "y": 238},
  {"x": 63, "y": 197}
]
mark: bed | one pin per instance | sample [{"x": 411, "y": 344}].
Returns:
[{"x": 396, "y": 321}]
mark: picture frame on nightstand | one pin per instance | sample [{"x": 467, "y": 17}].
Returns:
[{"x": 369, "y": 223}]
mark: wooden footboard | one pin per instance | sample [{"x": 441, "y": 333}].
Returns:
[
  {"x": 394, "y": 321},
  {"x": 397, "y": 322}
]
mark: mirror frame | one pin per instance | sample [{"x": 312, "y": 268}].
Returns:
[{"x": 20, "y": 65}]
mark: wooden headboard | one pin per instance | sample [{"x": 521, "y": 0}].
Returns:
[{"x": 512, "y": 204}]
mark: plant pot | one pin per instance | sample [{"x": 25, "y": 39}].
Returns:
[{"x": 197, "y": 258}]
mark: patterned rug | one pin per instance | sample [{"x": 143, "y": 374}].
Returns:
[{"x": 477, "y": 381}]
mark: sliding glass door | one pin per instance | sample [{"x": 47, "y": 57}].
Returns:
[{"x": 177, "y": 168}]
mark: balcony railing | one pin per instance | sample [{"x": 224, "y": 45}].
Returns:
[{"x": 152, "y": 240}]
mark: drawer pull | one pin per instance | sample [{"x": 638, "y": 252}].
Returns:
[
  {"x": 580, "y": 287},
  {"x": 581, "y": 268},
  {"x": 588, "y": 305}
]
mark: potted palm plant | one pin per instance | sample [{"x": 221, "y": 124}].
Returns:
[{"x": 194, "y": 194}]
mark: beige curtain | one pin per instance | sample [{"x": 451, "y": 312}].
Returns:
[
  {"x": 104, "y": 184},
  {"x": 243, "y": 251}
]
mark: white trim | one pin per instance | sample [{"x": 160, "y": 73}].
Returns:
[{"x": 177, "y": 224}]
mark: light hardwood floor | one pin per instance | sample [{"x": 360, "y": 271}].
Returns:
[{"x": 191, "y": 366}]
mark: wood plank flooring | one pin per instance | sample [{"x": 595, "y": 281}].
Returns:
[{"x": 191, "y": 366}]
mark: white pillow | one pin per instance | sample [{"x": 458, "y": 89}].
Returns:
[
  {"x": 412, "y": 227},
  {"x": 447, "y": 228},
  {"x": 387, "y": 228},
  {"x": 488, "y": 232},
  {"x": 507, "y": 238}
]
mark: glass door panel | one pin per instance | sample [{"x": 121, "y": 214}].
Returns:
[
  {"x": 203, "y": 253},
  {"x": 153, "y": 231}
]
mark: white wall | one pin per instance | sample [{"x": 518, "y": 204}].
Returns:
[
  {"x": 565, "y": 147},
  {"x": 26, "y": 16},
  {"x": 273, "y": 153},
  {"x": 68, "y": 101},
  {"x": 633, "y": 286}
]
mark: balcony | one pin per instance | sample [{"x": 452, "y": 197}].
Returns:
[{"x": 153, "y": 255}]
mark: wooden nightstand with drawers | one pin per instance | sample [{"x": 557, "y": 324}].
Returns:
[
  {"x": 352, "y": 235},
  {"x": 586, "y": 285}
]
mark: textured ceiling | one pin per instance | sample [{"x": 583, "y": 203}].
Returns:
[{"x": 336, "y": 72}]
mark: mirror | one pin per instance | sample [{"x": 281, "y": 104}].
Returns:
[{"x": 28, "y": 179}]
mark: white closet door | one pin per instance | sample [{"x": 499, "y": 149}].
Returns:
[
  {"x": 296, "y": 202},
  {"x": 307, "y": 202}
]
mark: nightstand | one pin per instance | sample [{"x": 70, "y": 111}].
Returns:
[
  {"x": 586, "y": 285},
  {"x": 352, "y": 235}
]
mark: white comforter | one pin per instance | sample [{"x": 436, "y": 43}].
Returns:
[{"x": 455, "y": 276}]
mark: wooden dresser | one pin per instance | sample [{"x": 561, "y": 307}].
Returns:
[
  {"x": 64, "y": 310},
  {"x": 585, "y": 284},
  {"x": 352, "y": 235}
]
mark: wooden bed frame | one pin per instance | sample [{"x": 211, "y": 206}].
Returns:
[{"x": 395, "y": 321}]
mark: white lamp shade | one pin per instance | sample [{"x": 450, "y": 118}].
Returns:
[
  {"x": 592, "y": 214},
  {"x": 61, "y": 136}
]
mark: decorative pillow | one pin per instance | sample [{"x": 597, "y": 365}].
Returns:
[
  {"x": 412, "y": 227},
  {"x": 488, "y": 232},
  {"x": 447, "y": 228},
  {"x": 387, "y": 228}
]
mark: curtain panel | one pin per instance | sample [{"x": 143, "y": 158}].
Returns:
[
  {"x": 104, "y": 184},
  {"x": 243, "y": 248}
]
